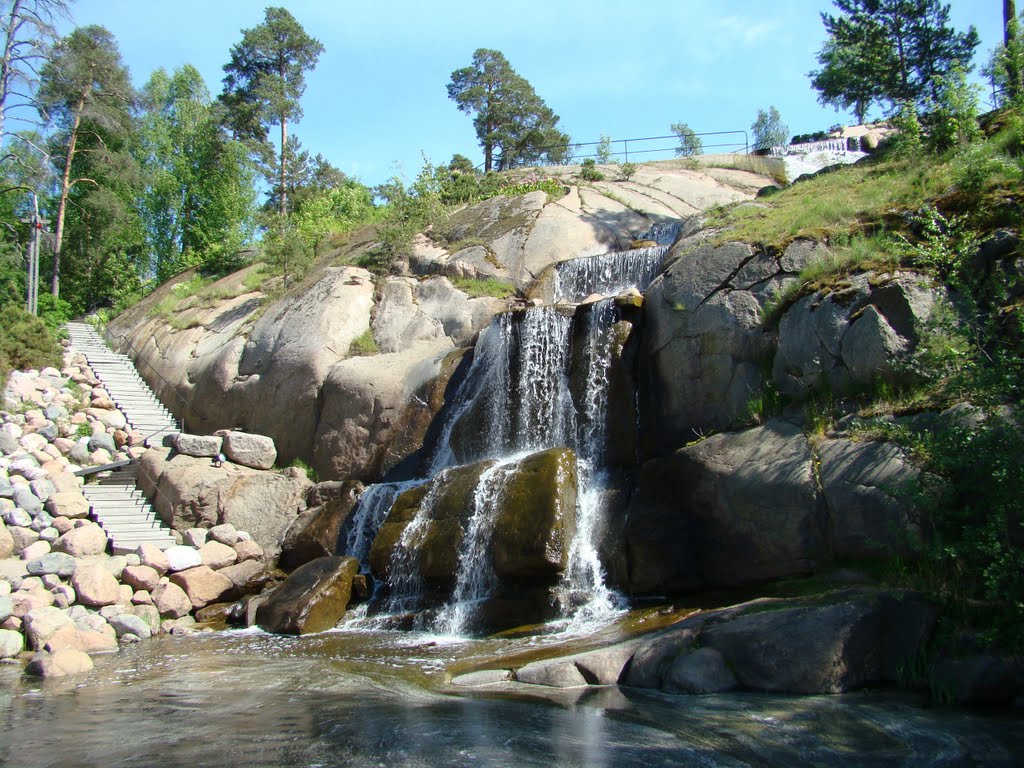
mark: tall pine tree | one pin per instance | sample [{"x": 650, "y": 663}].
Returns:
[{"x": 264, "y": 82}]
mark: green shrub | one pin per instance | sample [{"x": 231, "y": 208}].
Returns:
[
  {"x": 627, "y": 171},
  {"x": 589, "y": 172},
  {"x": 364, "y": 345},
  {"x": 25, "y": 343}
]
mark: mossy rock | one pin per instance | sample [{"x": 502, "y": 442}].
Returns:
[
  {"x": 536, "y": 521},
  {"x": 312, "y": 599}
]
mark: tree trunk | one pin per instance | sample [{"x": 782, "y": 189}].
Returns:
[
  {"x": 1010, "y": 32},
  {"x": 65, "y": 189},
  {"x": 5, "y": 74},
  {"x": 284, "y": 143}
]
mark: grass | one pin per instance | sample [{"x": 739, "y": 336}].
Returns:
[
  {"x": 364, "y": 345},
  {"x": 478, "y": 287},
  {"x": 856, "y": 199}
]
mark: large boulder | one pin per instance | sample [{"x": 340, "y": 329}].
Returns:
[
  {"x": 315, "y": 532},
  {"x": 84, "y": 541},
  {"x": 95, "y": 586},
  {"x": 60, "y": 664},
  {"x": 866, "y": 488},
  {"x": 854, "y": 334},
  {"x": 734, "y": 509},
  {"x": 376, "y": 410},
  {"x": 202, "y": 585},
  {"x": 193, "y": 493},
  {"x": 171, "y": 601},
  {"x": 704, "y": 342},
  {"x": 833, "y": 644},
  {"x": 255, "y": 451},
  {"x": 312, "y": 599}
]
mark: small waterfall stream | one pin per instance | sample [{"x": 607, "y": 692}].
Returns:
[{"x": 539, "y": 380}]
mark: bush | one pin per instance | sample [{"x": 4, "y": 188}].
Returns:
[
  {"x": 627, "y": 171},
  {"x": 25, "y": 343},
  {"x": 589, "y": 172}
]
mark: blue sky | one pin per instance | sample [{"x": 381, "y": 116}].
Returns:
[{"x": 377, "y": 98}]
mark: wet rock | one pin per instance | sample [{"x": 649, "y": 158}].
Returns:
[
  {"x": 554, "y": 674},
  {"x": 702, "y": 670},
  {"x": 60, "y": 664},
  {"x": 312, "y": 599},
  {"x": 482, "y": 677},
  {"x": 980, "y": 679},
  {"x": 315, "y": 531},
  {"x": 95, "y": 586}
]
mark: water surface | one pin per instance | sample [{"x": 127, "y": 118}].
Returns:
[{"x": 380, "y": 699}]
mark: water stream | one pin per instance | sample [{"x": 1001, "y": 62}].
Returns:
[{"x": 371, "y": 699}]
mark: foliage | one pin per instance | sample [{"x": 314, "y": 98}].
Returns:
[
  {"x": 589, "y": 172},
  {"x": 943, "y": 246},
  {"x": 908, "y": 140},
  {"x": 1005, "y": 67},
  {"x": 198, "y": 206},
  {"x": 604, "y": 150},
  {"x": 513, "y": 124},
  {"x": 887, "y": 51},
  {"x": 627, "y": 171},
  {"x": 284, "y": 251},
  {"x": 25, "y": 343},
  {"x": 690, "y": 143},
  {"x": 265, "y": 80},
  {"x": 953, "y": 117},
  {"x": 769, "y": 130},
  {"x": 86, "y": 93},
  {"x": 364, "y": 345}
]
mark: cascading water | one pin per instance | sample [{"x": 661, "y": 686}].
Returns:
[
  {"x": 607, "y": 274},
  {"x": 476, "y": 579},
  {"x": 367, "y": 516},
  {"x": 518, "y": 398}
]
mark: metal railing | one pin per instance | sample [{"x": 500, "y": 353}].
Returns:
[{"x": 572, "y": 154}]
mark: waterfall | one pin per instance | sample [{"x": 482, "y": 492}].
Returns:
[
  {"x": 539, "y": 379},
  {"x": 610, "y": 273},
  {"x": 371, "y": 509},
  {"x": 476, "y": 579}
]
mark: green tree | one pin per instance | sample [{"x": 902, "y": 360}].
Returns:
[
  {"x": 888, "y": 51},
  {"x": 769, "y": 130},
  {"x": 27, "y": 30},
  {"x": 689, "y": 142},
  {"x": 604, "y": 150},
  {"x": 84, "y": 90},
  {"x": 513, "y": 124},
  {"x": 265, "y": 81},
  {"x": 198, "y": 206}
]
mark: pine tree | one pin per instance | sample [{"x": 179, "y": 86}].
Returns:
[
  {"x": 513, "y": 124},
  {"x": 888, "y": 51},
  {"x": 265, "y": 81}
]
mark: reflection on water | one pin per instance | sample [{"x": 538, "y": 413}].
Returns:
[{"x": 376, "y": 699}]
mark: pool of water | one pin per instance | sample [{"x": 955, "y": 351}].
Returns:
[{"x": 382, "y": 699}]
